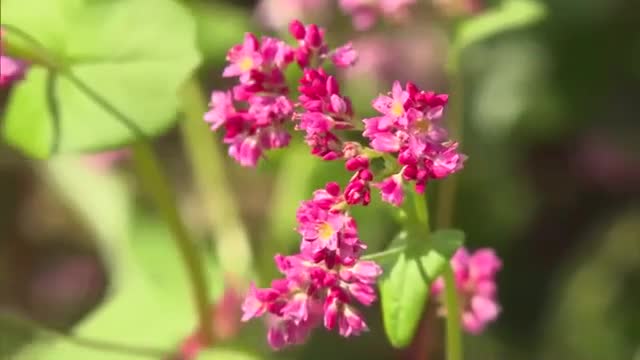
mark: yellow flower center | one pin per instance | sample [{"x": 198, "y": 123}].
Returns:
[
  {"x": 397, "y": 109},
  {"x": 422, "y": 125},
  {"x": 325, "y": 231},
  {"x": 246, "y": 64}
]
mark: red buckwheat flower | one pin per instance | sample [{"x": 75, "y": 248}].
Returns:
[
  {"x": 366, "y": 12},
  {"x": 256, "y": 113},
  {"x": 476, "y": 284},
  {"x": 313, "y": 293},
  {"x": 410, "y": 126}
]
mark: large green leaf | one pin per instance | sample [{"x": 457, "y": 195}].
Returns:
[
  {"x": 404, "y": 287},
  {"x": 512, "y": 14},
  {"x": 134, "y": 53}
]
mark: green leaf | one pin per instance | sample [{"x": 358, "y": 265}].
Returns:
[
  {"x": 512, "y": 14},
  {"x": 157, "y": 256},
  {"x": 404, "y": 287},
  {"x": 103, "y": 204},
  {"x": 137, "y": 64},
  {"x": 220, "y": 26}
]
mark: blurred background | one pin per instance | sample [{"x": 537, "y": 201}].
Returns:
[{"x": 551, "y": 127}]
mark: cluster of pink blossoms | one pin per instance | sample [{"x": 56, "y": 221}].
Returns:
[
  {"x": 365, "y": 12},
  {"x": 475, "y": 276},
  {"x": 10, "y": 69},
  {"x": 325, "y": 281},
  {"x": 255, "y": 114},
  {"x": 410, "y": 125}
]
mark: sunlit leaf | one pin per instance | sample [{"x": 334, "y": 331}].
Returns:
[
  {"x": 135, "y": 65},
  {"x": 404, "y": 286}
]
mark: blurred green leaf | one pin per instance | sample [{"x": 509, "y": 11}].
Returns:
[
  {"x": 220, "y": 26},
  {"x": 102, "y": 202},
  {"x": 148, "y": 305},
  {"x": 135, "y": 65},
  {"x": 404, "y": 287},
  {"x": 511, "y": 15},
  {"x": 156, "y": 254}
]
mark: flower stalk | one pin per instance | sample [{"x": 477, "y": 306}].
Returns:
[
  {"x": 454, "y": 336},
  {"x": 231, "y": 238},
  {"x": 158, "y": 186}
]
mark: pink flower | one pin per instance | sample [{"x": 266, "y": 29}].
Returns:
[
  {"x": 358, "y": 190},
  {"x": 277, "y": 14},
  {"x": 475, "y": 281},
  {"x": 106, "y": 160},
  {"x": 344, "y": 56},
  {"x": 243, "y": 57},
  {"x": 11, "y": 69},
  {"x": 309, "y": 293},
  {"x": 255, "y": 113},
  {"x": 221, "y": 109},
  {"x": 410, "y": 126},
  {"x": 366, "y": 12},
  {"x": 324, "y": 111},
  {"x": 328, "y": 233},
  {"x": 323, "y": 283},
  {"x": 391, "y": 190},
  {"x": 245, "y": 150}
]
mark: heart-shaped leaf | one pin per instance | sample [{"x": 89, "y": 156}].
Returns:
[
  {"x": 404, "y": 287},
  {"x": 134, "y": 61}
]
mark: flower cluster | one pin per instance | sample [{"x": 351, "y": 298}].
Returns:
[
  {"x": 366, "y": 12},
  {"x": 410, "y": 125},
  {"x": 324, "y": 281},
  {"x": 256, "y": 112},
  {"x": 475, "y": 276},
  {"x": 10, "y": 69},
  {"x": 324, "y": 111}
]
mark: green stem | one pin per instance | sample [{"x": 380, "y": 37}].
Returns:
[
  {"x": 422, "y": 215},
  {"x": 454, "y": 337},
  {"x": 156, "y": 183},
  {"x": 382, "y": 255},
  {"x": 232, "y": 242},
  {"x": 447, "y": 188}
]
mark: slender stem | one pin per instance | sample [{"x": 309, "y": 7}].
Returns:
[
  {"x": 422, "y": 214},
  {"x": 447, "y": 188},
  {"x": 157, "y": 185},
  {"x": 232, "y": 241},
  {"x": 105, "y": 104},
  {"x": 384, "y": 254},
  {"x": 32, "y": 50},
  {"x": 454, "y": 337}
]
